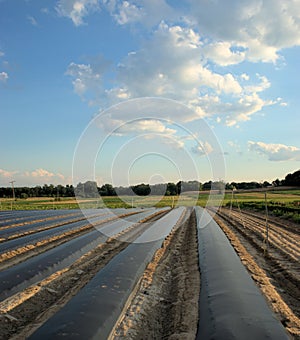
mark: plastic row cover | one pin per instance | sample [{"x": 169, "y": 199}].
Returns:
[
  {"x": 93, "y": 312},
  {"x": 231, "y": 306}
]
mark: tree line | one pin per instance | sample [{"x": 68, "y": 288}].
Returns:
[{"x": 90, "y": 189}]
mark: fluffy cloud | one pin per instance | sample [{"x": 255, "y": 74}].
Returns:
[
  {"x": 36, "y": 177},
  {"x": 276, "y": 152},
  {"x": 145, "y": 12},
  {"x": 128, "y": 13},
  {"x": 87, "y": 79},
  {"x": 41, "y": 173},
  {"x": 140, "y": 126},
  {"x": 3, "y": 76},
  {"x": 223, "y": 54},
  {"x": 203, "y": 148},
  {"x": 262, "y": 28},
  {"x": 251, "y": 30},
  {"x": 76, "y": 10},
  {"x": 177, "y": 61},
  {"x": 7, "y": 174},
  {"x": 172, "y": 64}
]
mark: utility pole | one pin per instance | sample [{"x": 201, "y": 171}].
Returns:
[
  {"x": 13, "y": 192},
  {"x": 266, "y": 240},
  {"x": 13, "y": 189}
]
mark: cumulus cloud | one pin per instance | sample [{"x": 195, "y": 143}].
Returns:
[
  {"x": 145, "y": 12},
  {"x": 38, "y": 176},
  {"x": 128, "y": 13},
  {"x": 76, "y": 10},
  {"x": 262, "y": 28},
  {"x": 203, "y": 148},
  {"x": 240, "y": 29},
  {"x": 7, "y": 174},
  {"x": 144, "y": 126},
  {"x": 41, "y": 173},
  {"x": 87, "y": 79},
  {"x": 172, "y": 64},
  {"x": 276, "y": 152},
  {"x": 3, "y": 77},
  {"x": 178, "y": 61},
  {"x": 223, "y": 54}
]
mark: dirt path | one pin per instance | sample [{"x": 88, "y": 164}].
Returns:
[
  {"x": 276, "y": 272},
  {"x": 165, "y": 304}
]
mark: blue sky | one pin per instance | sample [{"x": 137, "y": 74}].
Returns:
[{"x": 64, "y": 63}]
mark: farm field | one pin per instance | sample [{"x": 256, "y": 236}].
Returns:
[
  {"x": 143, "y": 269},
  {"x": 277, "y": 197}
]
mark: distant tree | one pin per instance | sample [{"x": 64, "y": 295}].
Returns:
[
  {"x": 172, "y": 189},
  {"x": 207, "y": 185},
  {"x": 158, "y": 189},
  {"x": 107, "y": 190},
  {"x": 292, "y": 179},
  {"x": 266, "y": 184},
  {"x": 178, "y": 185},
  {"x": 276, "y": 183},
  {"x": 190, "y": 186},
  {"x": 218, "y": 185},
  {"x": 90, "y": 189},
  {"x": 141, "y": 189}
]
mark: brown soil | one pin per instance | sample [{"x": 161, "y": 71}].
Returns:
[
  {"x": 274, "y": 266},
  {"x": 165, "y": 303}
]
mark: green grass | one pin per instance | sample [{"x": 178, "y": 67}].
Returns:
[{"x": 285, "y": 204}]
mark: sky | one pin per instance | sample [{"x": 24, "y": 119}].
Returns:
[{"x": 125, "y": 92}]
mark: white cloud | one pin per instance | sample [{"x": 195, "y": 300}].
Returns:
[
  {"x": 76, "y": 10},
  {"x": 240, "y": 30},
  {"x": 245, "y": 76},
  {"x": 41, "y": 173},
  {"x": 128, "y": 13},
  {"x": 170, "y": 65},
  {"x": 3, "y": 76},
  {"x": 35, "y": 177},
  {"x": 203, "y": 148},
  {"x": 45, "y": 10},
  {"x": 148, "y": 13},
  {"x": 7, "y": 174},
  {"x": 1, "y": 54},
  {"x": 262, "y": 86},
  {"x": 276, "y": 152},
  {"x": 86, "y": 78},
  {"x": 32, "y": 20},
  {"x": 169, "y": 139},
  {"x": 263, "y": 28},
  {"x": 222, "y": 53},
  {"x": 144, "y": 126}
]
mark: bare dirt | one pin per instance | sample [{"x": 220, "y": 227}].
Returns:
[
  {"x": 165, "y": 303},
  {"x": 273, "y": 265}
]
